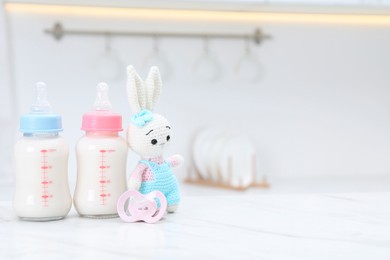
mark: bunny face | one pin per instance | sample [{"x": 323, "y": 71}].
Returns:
[
  {"x": 149, "y": 133},
  {"x": 151, "y": 139}
]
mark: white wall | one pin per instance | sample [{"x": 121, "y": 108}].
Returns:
[
  {"x": 8, "y": 103},
  {"x": 321, "y": 108}
]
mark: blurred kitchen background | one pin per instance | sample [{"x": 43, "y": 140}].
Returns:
[{"x": 304, "y": 84}]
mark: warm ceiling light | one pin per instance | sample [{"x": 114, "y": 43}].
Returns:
[{"x": 201, "y": 15}]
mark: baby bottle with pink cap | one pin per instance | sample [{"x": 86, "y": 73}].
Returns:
[
  {"x": 101, "y": 160},
  {"x": 41, "y": 164}
]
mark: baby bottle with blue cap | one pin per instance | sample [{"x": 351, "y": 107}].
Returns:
[{"x": 41, "y": 164}]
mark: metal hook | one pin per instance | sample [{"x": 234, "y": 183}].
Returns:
[
  {"x": 107, "y": 41},
  {"x": 248, "y": 49},
  {"x": 206, "y": 47},
  {"x": 156, "y": 47}
]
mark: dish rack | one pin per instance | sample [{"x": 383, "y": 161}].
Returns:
[{"x": 195, "y": 177}]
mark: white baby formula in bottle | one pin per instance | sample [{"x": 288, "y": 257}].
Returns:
[
  {"x": 41, "y": 161},
  {"x": 101, "y": 160}
]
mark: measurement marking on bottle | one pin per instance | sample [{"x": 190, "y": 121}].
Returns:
[
  {"x": 103, "y": 178},
  {"x": 45, "y": 180}
]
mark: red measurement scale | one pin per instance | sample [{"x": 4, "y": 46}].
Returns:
[
  {"x": 103, "y": 176},
  {"x": 45, "y": 179}
]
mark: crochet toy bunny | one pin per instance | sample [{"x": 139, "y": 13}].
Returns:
[{"x": 148, "y": 135}]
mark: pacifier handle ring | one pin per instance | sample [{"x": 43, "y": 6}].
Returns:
[
  {"x": 120, "y": 207},
  {"x": 122, "y": 212}
]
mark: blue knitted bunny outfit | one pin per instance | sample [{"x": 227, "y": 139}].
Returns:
[{"x": 164, "y": 181}]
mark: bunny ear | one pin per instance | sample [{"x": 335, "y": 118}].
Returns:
[
  {"x": 135, "y": 90},
  {"x": 153, "y": 84}
]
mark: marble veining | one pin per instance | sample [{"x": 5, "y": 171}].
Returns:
[{"x": 274, "y": 226}]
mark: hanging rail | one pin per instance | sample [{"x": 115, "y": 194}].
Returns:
[{"x": 58, "y": 32}]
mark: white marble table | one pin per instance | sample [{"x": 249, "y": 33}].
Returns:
[{"x": 291, "y": 226}]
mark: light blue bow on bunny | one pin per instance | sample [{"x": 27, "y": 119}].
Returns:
[{"x": 141, "y": 118}]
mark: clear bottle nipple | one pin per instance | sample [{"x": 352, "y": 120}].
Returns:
[
  {"x": 102, "y": 102},
  {"x": 41, "y": 119},
  {"x": 101, "y": 118},
  {"x": 41, "y": 104}
]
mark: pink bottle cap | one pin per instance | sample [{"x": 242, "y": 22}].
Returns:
[{"x": 102, "y": 118}]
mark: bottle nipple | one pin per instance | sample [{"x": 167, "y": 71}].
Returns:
[
  {"x": 102, "y": 102},
  {"x": 41, "y": 118},
  {"x": 41, "y": 104},
  {"x": 101, "y": 118}
]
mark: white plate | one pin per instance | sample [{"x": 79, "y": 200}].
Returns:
[
  {"x": 241, "y": 151},
  {"x": 201, "y": 149},
  {"x": 216, "y": 148}
]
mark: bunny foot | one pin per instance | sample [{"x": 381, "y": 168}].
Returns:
[{"x": 172, "y": 208}]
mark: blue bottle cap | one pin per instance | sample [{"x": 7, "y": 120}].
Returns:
[{"x": 40, "y": 118}]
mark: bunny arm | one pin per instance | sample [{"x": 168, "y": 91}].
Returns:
[
  {"x": 175, "y": 160},
  {"x": 135, "y": 179}
]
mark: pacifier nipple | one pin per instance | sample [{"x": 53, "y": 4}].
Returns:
[
  {"x": 102, "y": 102},
  {"x": 41, "y": 104}
]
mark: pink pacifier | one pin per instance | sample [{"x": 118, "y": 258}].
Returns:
[{"x": 141, "y": 207}]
